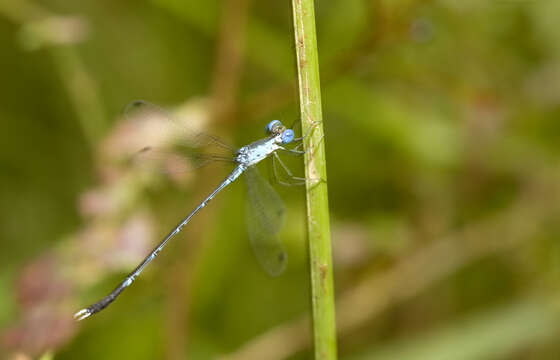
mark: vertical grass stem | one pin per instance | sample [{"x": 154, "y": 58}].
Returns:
[{"x": 318, "y": 227}]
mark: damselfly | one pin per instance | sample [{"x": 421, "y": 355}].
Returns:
[{"x": 265, "y": 211}]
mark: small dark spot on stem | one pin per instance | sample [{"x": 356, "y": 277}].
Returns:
[
  {"x": 323, "y": 271},
  {"x": 323, "y": 274}
]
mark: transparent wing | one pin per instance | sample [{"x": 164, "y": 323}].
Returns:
[
  {"x": 150, "y": 136},
  {"x": 265, "y": 216}
]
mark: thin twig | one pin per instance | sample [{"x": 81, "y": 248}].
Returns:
[{"x": 318, "y": 227}]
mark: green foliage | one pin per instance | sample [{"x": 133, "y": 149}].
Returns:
[{"x": 441, "y": 136}]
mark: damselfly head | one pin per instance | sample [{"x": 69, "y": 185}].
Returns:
[
  {"x": 287, "y": 136},
  {"x": 274, "y": 127}
]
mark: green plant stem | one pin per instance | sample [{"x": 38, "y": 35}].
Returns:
[{"x": 318, "y": 228}]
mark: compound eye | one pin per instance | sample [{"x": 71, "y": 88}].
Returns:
[
  {"x": 271, "y": 125},
  {"x": 287, "y": 136}
]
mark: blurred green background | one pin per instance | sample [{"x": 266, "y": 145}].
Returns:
[{"x": 442, "y": 123}]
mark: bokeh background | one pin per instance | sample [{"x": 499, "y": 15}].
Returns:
[{"x": 442, "y": 123}]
